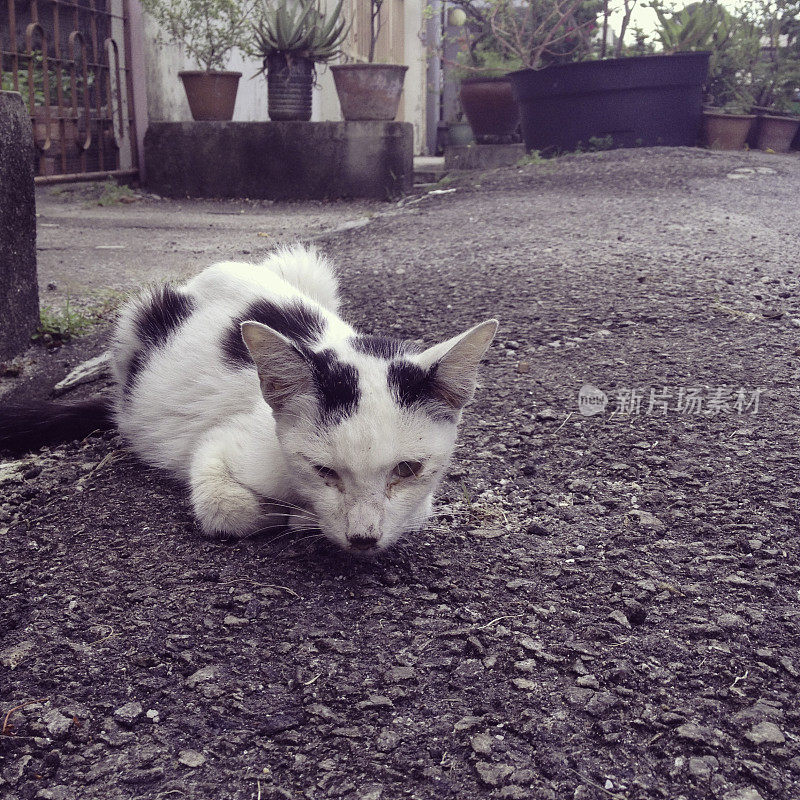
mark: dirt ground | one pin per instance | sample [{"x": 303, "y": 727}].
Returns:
[{"x": 605, "y": 606}]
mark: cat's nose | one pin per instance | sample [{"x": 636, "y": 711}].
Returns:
[{"x": 363, "y": 543}]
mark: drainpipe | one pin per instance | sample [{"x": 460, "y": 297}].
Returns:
[
  {"x": 134, "y": 48},
  {"x": 433, "y": 40}
]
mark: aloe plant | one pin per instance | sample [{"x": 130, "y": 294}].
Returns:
[{"x": 298, "y": 28}]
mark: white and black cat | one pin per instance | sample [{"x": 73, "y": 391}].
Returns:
[{"x": 247, "y": 385}]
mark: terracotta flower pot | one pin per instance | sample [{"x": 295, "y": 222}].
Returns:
[
  {"x": 726, "y": 131},
  {"x": 211, "y": 95},
  {"x": 776, "y": 133},
  {"x": 490, "y": 107},
  {"x": 369, "y": 91}
]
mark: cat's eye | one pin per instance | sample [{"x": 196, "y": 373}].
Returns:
[
  {"x": 407, "y": 469},
  {"x": 327, "y": 473}
]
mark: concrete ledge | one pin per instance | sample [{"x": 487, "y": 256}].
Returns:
[
  {"x": 482, "y": 156},
  {"x": 19, "y": 291},
  {"x": 280, "y": 160}
]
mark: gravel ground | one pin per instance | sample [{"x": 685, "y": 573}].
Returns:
[{"x": 606, "y": 606}]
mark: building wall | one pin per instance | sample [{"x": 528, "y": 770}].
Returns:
[{"x": 400, "y": 42}]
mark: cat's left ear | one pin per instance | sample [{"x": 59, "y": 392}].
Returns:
[{"x": 456, "y": 363}]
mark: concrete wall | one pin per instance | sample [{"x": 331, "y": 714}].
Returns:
[
  {"x": 19, "y": 292},
  {"x": 166, "y": 101},
  {"x": 280, "y": 160}
]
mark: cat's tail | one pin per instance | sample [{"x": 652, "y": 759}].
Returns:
[
  {"x": 33, "y": 425},
  {"x": 307, "y": 269}
]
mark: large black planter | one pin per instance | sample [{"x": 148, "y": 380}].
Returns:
[{"x": 641, "y": 101}]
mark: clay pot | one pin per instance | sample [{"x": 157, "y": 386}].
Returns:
[
  {"x": 490, "y": 107},
  {"x": 726, "y": 131},
  {"x": 211, "y": 95},
  {"x": 369, "y": 91},
  {"x": 776, "y": 133}
]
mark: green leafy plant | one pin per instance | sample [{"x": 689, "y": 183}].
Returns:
[
  {"x": 484, "y": 62},
  {"x": 207, "y": 29},
  {"x": 736, "y": 46},
  {"x": 774, "y": 71},
  {"x": 115, "y": 193},
  {"x": 534, "y": 157},
  {"x": 64, "y": 75},
  {"x": 299, "y": 28},
  {"x": 62, "y": 324},
  {"x": 690, "y": 28}
]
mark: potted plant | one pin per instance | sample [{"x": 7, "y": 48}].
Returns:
[
  {"x": 727, "y": 120},
  {"x": 291, "y": 37},
  {"x": 636, "y": 101},
  {"x": 208, "y": 30},
  {"x": 370, "y": 91},
  {"x": 486, "y": 95},
  {"x": 774, "y": 73}
]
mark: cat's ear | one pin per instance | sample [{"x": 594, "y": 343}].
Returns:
[
  {"x": 282, "y": 370},
  {"x": 456, "y": 363}
]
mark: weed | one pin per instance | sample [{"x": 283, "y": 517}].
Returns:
[
  {"x": 598, "y": 143},
  {"x": 62, "y": 324},
  {"x": 114, "y": 193},
  {"x": 534, "y": 157}
]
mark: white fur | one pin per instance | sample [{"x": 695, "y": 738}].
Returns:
[{"x": 208, "y": 423}]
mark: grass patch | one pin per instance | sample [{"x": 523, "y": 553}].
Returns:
[
  {"x": 114, "y": 193},
  {"x": 58, "y": 325},
  {"x": 534, "y": 157},
  {"x": 62, "y": 324}
]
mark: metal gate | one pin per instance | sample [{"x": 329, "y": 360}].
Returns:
[{"x": 69, "y": 61}]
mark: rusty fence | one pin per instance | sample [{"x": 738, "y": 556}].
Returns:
[{"x": 69, "y": 61}]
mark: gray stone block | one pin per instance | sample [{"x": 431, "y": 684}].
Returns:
[
  {"x": 482, "y": 156},
  {"x": 280, "y": 160},
  {"x": 19, "y": 291}
]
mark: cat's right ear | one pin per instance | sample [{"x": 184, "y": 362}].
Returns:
[{"x": 282, "y": 370}]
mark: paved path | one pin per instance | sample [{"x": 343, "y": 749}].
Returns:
[
  {"x": 86, "y": 249},
  {"x": 604, "y": 606}
]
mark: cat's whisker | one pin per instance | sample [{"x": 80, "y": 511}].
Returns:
[
  {"x": 287, "y": 531},
  {"x": 287, "y": 504}
]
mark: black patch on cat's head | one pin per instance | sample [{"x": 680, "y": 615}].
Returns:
[
  {"x": 336, "y": 384},
  {"x": 381, "y": 346},
  {"x": 294, "y": 320},
  {"x": 158, "y": 316},
  {"x": 415, "y": 388}
]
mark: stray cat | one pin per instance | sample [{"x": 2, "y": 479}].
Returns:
[{"x": 247, "y": 385}]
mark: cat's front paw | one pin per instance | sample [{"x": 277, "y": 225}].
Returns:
[{"x": 227, "y": 510}]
